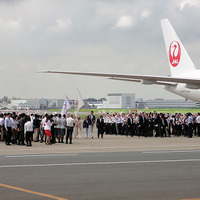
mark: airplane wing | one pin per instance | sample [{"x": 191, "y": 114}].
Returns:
[
  {"x": 145, "y": 79},
  {"x": 139, "y": 81}
]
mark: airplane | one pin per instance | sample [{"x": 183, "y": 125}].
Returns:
[{"x": 184, "y": 80}]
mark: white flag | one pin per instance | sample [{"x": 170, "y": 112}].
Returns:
[
  {"x": 66, "y": 106},
  {"x": 78, "y": 103}
]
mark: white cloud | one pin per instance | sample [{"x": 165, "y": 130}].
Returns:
[
  {"x": 125, "y": 21},
  {"x": 10, "y": 23},
  {"x": 190, "y": 2},
  {"x": 61, "y": 25},
  {"x": 145, "y": 14},
  {"x": 76, "y": 35}
]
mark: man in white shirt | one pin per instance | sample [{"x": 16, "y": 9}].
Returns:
[
  {"x": 119, "y": 124},
  {"x": 63, "y": 127},
  {"x": 198, "y": 123},
  {"x": 8, "y": 127},
  {"x": 15, "y": 129},
  {"x": 42, "y": 131},
  {"x": 70, "y": 126},
  {"x": 28, "y": 131}
]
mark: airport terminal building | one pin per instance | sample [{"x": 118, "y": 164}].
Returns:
[
  {"x": 113, "y": 100},
  {"x": 120, "y": 100},
  {"x": 37, "y": 103},
  {"x": 166, "y": 103}
]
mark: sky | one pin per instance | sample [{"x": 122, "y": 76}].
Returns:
[{"x": 115, "y": 36}]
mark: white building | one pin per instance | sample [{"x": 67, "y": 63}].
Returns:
[
  {"x": 120, "y": 100},
  {"x": 37, "y": 103},
  {"x": 55, "y": 103},
  {"x": 170, "y": 103}
]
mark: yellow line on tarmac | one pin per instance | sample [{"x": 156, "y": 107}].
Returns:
[
  {"x": 190, "y": 199},
  {"x": 32, "y": 192}
]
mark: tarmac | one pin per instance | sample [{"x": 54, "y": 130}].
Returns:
[
  {"x": 115, "y": 167},
  {"x": 108, "y": 144}
]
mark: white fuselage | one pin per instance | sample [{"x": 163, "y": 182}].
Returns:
[{"x": 182, "y": 90}]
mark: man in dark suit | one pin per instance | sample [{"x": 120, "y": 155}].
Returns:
[
  {"x": 91, "y": 122},
  {"x": 100, "y": 126},
  {"x": 163, "y": 126},
  {"x": 130, "y": 125},
  {"x": 141, "y": 125},
  {"x": 157, "y": 122},
  {"x": 22, "y": 121},
  {"x": 36, "y": 125}
]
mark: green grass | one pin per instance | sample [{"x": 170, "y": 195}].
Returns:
[
  {"x": 82, "y": 112},
  {"x": 95, "y": 110},
  {"x": 173, "y": 110},
  {"x": 164, "y": 110}
]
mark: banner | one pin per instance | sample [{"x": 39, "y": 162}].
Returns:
[
  {"x": 78, "y": 103},
  {"x": 66, "y": 106}
]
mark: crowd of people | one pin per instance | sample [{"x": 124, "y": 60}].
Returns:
[
  {"x": 23, "y": 129},
  {"x": 151, "y": 124}
]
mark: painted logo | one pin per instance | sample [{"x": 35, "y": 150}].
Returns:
[{"x": 174, "y": 53}]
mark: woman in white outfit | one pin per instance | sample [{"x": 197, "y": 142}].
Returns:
[{"x": 85, "y": 127}]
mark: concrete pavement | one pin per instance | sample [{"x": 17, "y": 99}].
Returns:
[
  {"x": 115, "y": 167},
  {"x": 107, "y": 144}
]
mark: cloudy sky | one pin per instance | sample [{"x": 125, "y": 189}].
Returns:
[{"x": 119, "y": 36}]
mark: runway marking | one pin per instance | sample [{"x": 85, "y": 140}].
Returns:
[
  {"x": 99, "y": 163},
  {"x": 176, "y": 151},
  {"x": 32, "y": 192},
  {"x": 39, "y": 155},
  {"x": 190, "y": 199},
  {"x": 89, "y": 148}
]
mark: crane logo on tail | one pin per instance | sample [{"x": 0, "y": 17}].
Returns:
[{"x": 174, "y": 53}]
